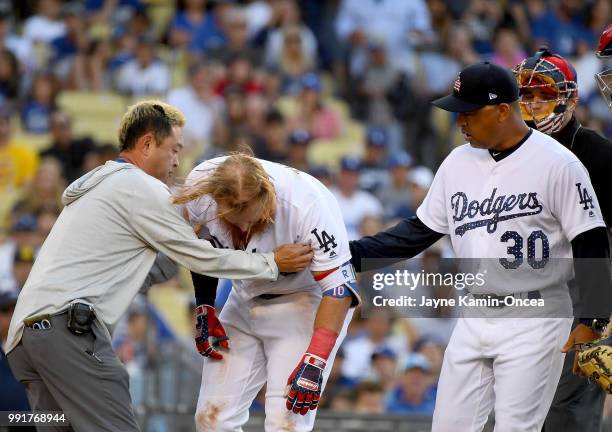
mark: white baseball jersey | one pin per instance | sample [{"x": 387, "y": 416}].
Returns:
[
  {"x": 306, "y": 212},
  {"x": 522, "y": 210}
]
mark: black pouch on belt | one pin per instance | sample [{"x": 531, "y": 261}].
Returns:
[{"x": 80, "y": 318}]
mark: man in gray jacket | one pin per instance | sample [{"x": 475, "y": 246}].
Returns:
[{"x": 115, "y": 221}]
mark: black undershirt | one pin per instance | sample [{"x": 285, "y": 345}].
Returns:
[{"x": 497, "y": 156}]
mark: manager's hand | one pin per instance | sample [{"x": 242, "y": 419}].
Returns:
[{"x": 292, "y": 258}]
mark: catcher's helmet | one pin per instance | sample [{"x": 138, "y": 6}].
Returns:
[
  {"x": 604, "y": 78},
  {"x": 546, "y": 83}
]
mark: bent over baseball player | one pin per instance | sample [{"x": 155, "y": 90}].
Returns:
[
  {"x": 513, "y": 196},
  {"x": 282, "y": 334}
]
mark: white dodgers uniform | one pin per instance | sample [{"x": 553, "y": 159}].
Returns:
[
  {"x": 268, "y": 336},
  {"x": 521, "y": 212}
]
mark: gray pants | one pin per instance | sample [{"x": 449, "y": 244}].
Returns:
[
  {"x": 60, "y": 375},
  {"x": 578, "y": 405}
]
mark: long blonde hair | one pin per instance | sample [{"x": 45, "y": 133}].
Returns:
[{"x": 238, "y": 175}]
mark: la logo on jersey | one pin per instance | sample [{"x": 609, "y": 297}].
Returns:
[
  {"x": 326, "y": 242},
  {"x": 493, "y": 210},
  {"x": 585, "y": 199}
]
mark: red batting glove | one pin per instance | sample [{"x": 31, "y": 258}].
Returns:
[
  {"x": 211, "y": 333},
  {"x": 305, "y": 383}
]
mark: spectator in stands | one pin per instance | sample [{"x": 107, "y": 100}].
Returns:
[
  {"x": 404, "y": 25},
  {"x": 371, "y": 225},
  {"x": 13, "y": 396},
  {"x": 342, "y": 402},
  {"x": 235, "y": 28},
  {"x": 22, "y": 264},
  {"x": 416, "y": 392},
  {"x": 384, "y": 368},
  {"x": 21, "y": 47},
  {"x": 369, "y": 398},
  {"x": 100, "y": 155},
  {"x": 113, "y": 12},
  {"x": 482, "y": 17},
  {"x": 312, "y": 113},
  {"x": 507, "y": 48},
  {"x": 297, "y": 156},
  {"x": 239, "y": 75},
  {"x": 438, "y": 70},
  {"x": 379, "y": 78},
  {"x": 232, "y": 122},
  {"x": 18, "y": 163},
  {"x": 71, "y": 152},
  {"x": 377, "y": 336},
  {"x": 432, "y": 347},
  {"x": 95, "y": 73},
  {"x": 256, "y": 108},
  {"x": 47, "y": 24},
  {"x": 145, "y": 74},
  {"x": 68, "y": 50},
  {"x": 46, "y": 189},
  {"x": 10, "y": 79},
  {"x": 324, "y": 175},
  {"x": 40, "y": 103},
  {"x": 200, "y": 105},
  {"x": 201, "y": 30},
  {"x": 396, "y": 195},
  {"x": 292, "y": 61},
  {"x": 374, "y": 174},
  {"x": 272, "y": 143},
  {"x": 355, "y": 204}
]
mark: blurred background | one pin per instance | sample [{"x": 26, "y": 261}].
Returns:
[{"x": 336, "y": 88}]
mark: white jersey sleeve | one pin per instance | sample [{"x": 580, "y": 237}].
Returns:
[
  {"x": 323, "y": 227},
  {"x": 432, "y": 211},
  {"x": 574, "y": 202}
]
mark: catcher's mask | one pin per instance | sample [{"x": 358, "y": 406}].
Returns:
[
  {"x": 546, "y": 84},
  {"x": 604, "y": 78}
]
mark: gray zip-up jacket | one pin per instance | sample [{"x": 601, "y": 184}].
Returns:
[{"x": 115, "y": 220}]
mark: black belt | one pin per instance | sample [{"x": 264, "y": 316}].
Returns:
[
  {"x": 531, "y": 295},
  {"x": 269, "y": 296},
  {"x": 43, "y": 321}
]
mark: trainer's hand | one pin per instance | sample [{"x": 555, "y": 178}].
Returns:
[
  {"x": 293, "y": 258},
  {"x": 211, "y": 333},
  {"x": 581, "y": 334}
]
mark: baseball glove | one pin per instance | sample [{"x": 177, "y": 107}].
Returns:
[{"x": 595, "y": 362}]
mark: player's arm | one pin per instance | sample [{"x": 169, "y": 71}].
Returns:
[
  {"x": 591, "y": 253},
  {"x": 210, "y": 333},
  {"x": 402, "y": 241},
  {"x": 339, "y": 294}
]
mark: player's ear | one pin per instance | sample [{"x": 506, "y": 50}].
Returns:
[{"x": 504, "y": 111}]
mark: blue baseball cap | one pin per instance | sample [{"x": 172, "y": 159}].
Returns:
[
  {"x": 400, "y": 159},
  {"x": 350, "y": 163},
  {"x": 417, "y": 361},
  {"x": 25, "y": 223},
  {"x": 300, "y": 137},
  {"x": 311, "y": 81},
  {"x": 319, "y": 171},
  {"x": 384, "y": 351},
  {"x": 377, "y": 137}
]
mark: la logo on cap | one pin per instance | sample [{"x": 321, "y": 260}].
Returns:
[
  {"x": 492, "y": 96},
  {"x": 457, "y": 85}
]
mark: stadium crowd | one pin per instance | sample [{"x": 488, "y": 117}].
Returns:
[{"x": 339, "y": 89}]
